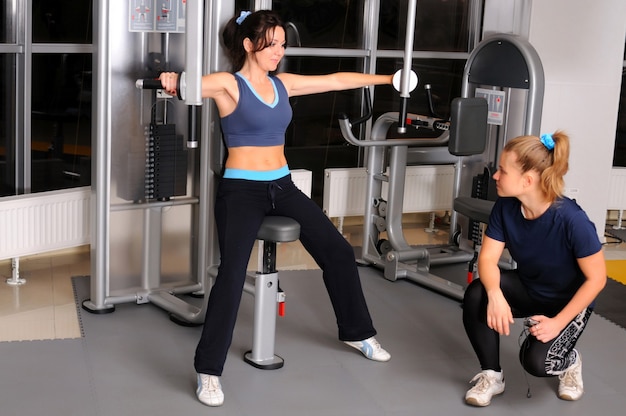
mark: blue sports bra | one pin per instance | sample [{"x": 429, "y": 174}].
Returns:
[{"x": 254, "y": 122}]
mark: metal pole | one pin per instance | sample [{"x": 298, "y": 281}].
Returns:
[
  {"x": 101, "y": 167},
  {"x": 194, "y": 35},
  {"x": 408, "y": 63}
]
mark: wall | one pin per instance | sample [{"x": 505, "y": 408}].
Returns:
[{"x": 581, "y": 47}]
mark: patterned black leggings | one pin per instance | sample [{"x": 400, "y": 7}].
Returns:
[{"x": 538, "y": 358}]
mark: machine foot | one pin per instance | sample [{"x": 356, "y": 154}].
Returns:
[
  {"x": 90, "y": 307},
  {"x": 275, "y": 363},
  {"x": 182, "y": 322},
  {"x": 362, "y": 263},
  {"x": 196, "y": 295}
]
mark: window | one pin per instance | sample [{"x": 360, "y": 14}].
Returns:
[
  {"x": 619, "y": 155},
  {"x": 61, "y": 121},
  {"x": 8, "y": 82},
  {"x": 45, "y": 68},
  {"x": 7, "y": 124},
  {"x": 322, "y": 23},
  {"x": 53, "y": 123},
  {"x": 62, "y": 21},
  {"x": 8, "y": 30},
  {"x": 328, "y": 35},
  {"x": 439, "y": 25}
]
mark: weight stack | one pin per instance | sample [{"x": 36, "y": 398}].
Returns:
[
  {"x": 480, "y": 189},
  {"x": 165, "y": 172}
]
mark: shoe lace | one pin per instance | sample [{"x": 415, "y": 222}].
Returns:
[
  {"x": 375, "y": 345},
  {"x": 483, "y": 382},
  {"x": 568, "y": 379},
  {"x": 209, "y": 383}
]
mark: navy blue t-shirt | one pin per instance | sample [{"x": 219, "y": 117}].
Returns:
[{"x": 546, "y": 248}]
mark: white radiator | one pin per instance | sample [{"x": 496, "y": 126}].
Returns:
[
  {"x": 44, "y": 221},
  {"x": 617, "y": 189},
  {"x": 303, "y": 179},
  {"x": 344, "y": 192},
  {"x": 427, "y": 188}
]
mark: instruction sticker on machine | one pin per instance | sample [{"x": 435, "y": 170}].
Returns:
[
  {"x": 495, "y": 104},
  {"x": 163, "y": 16}
]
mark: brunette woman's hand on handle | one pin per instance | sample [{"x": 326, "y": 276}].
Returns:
[{"x": 169, "y": 80}]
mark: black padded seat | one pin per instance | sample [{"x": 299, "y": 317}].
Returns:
[
  {"x": 279, "y": 229},
  {"x": 474, "y": 208}
]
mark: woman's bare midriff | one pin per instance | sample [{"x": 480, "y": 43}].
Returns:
[{"x": 256, "y": 158}]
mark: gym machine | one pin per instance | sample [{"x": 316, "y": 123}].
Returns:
[
  {"x": 502, "y": 95},
  {"x": 153, "y": 240},
  {"x": 147, "y": 182}
]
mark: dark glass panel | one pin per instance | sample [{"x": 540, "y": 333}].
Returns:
[
  {"x": 440, "y": 25},
  {"x": 244, "y": 5},
  {"x": 619, "y": 155},
  {"x": 63, "y": 21},
  {"x": 61, "y": 121},
  {"x": 7, "y": 125},
  {"x": 322, "y": 23},
  {"x": 7, "y": 17}
]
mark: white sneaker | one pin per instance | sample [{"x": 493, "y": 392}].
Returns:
[
  {"x": 209, "y": 390},
  {"x": 488, "y": 384},
  {"x": 371, "y": 349},
  {"x": 571, "y": 381}
]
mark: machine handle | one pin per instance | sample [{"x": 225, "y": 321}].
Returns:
[
  {"x": 368, "y": 111},
  {"x": 148, "y": 84},
  {"x": 431, "y": 105},
  {"x": 368, "y": 108},
  {"x": 155, "y": 84},
  {"x": 389, "y": 118}
]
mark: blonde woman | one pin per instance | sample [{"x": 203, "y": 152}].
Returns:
[{"x": 560, "y": 272}]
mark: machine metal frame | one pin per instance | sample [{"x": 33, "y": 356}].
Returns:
[
  {"x": 500, "y": 63},
  {"x": 203, "y": 253}
]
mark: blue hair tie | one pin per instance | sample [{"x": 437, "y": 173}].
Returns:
[
  {"x": 547, "y": 141},
  {"x": 242, "y": 16}
]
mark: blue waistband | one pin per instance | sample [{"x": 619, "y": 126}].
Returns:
[{"x": 256, "y": 175}]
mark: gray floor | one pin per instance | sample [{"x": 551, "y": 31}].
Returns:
[{"x": 135, "y": 361}]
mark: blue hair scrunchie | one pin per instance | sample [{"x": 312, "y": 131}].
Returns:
[
  {"x": 547, "y": 141},
  {"x": 242, "y": 16}
]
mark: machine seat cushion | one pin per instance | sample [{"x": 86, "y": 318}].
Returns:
[
  {"x": 279, "y": 229},
  {"x": 474, "y": 208}
]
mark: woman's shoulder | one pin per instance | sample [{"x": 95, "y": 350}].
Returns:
[
  {"x": 223, "y": 88},
  {"x": 505, "y": 202},
  {"x": 222, "y": 76},
  {"x": 566, "y": 204},
  {"x": 218, "y": 82},
  {"x": 285, "y": 78},
  {"x": 291, "y": 80},
  {"x": 579, "y": 226},
  {"x": 569, "y": 210}
]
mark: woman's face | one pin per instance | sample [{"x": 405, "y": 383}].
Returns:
[
  {"x": 268, "y": 58},
  {"x": 509, "y": 177}
]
